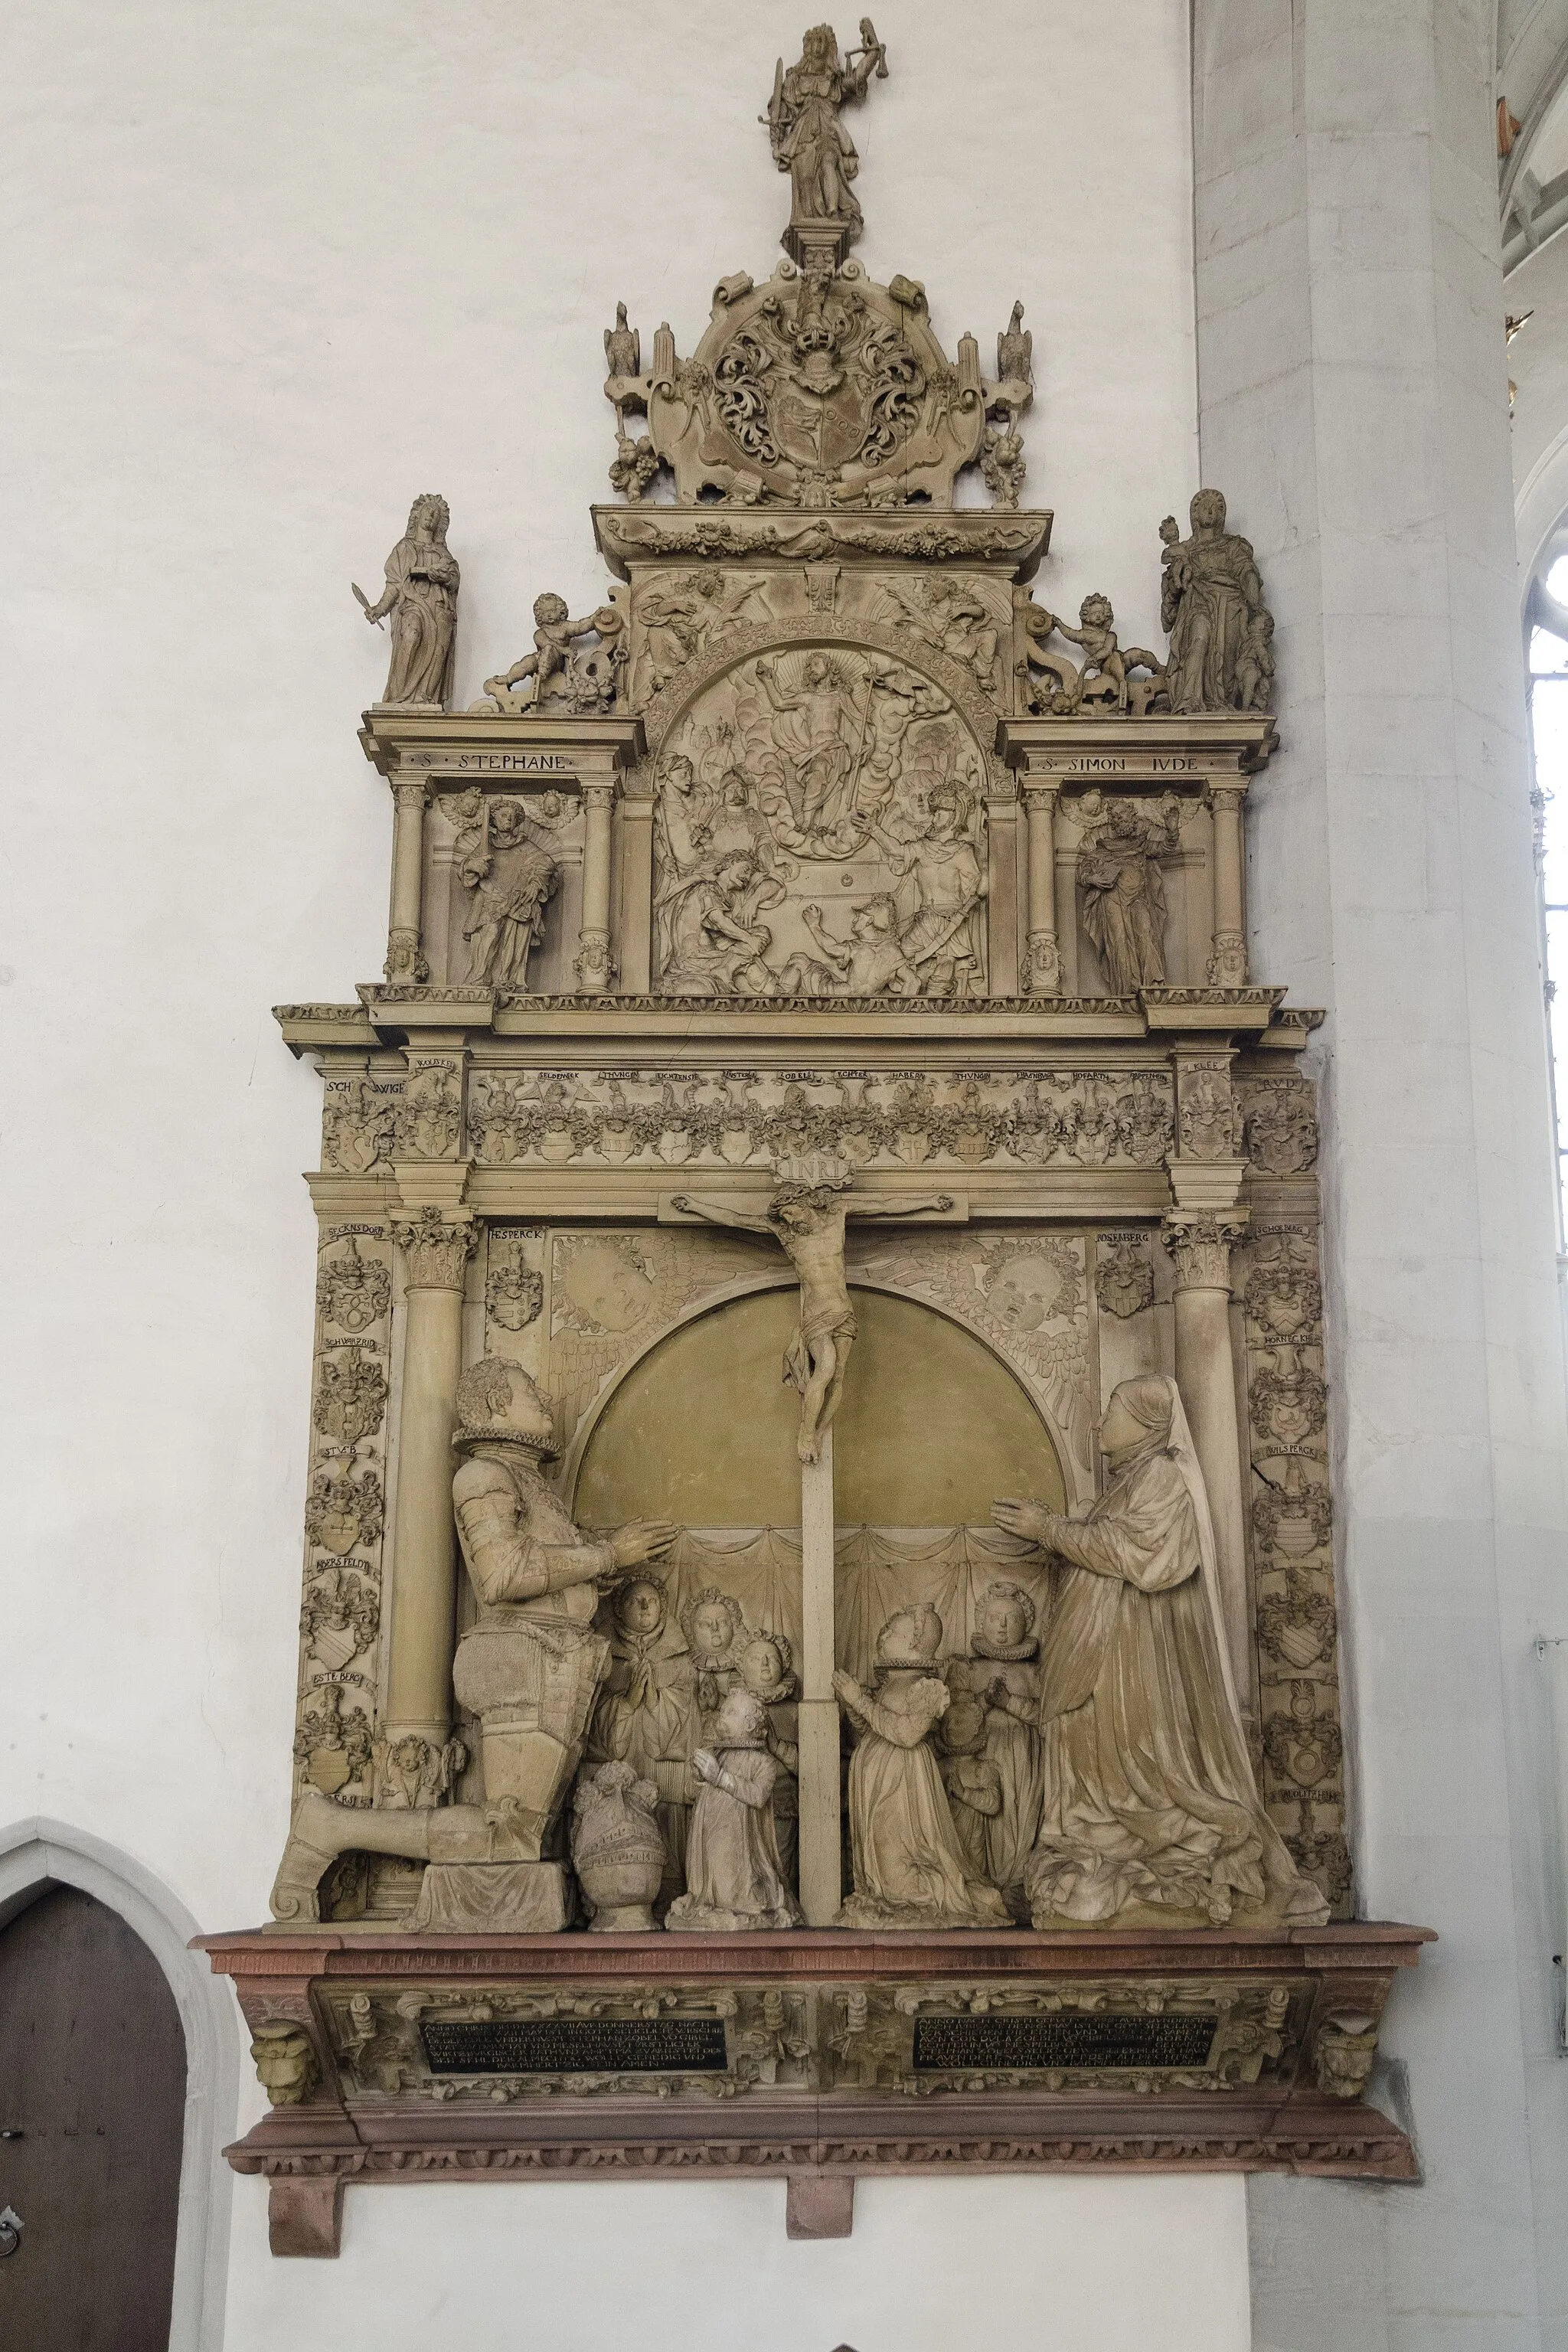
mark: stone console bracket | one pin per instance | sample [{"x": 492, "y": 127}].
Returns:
[{"x": 813, "y": 2056}]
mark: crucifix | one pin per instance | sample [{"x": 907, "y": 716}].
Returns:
[{"x": 812, "y": 1203}]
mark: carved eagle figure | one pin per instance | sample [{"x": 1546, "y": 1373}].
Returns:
[
  {"x": 1014, "y": 350},
  {"x": 623, "y": 346}
]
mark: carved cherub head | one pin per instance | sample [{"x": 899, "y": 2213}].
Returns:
[
  {"x": 1171, "y": 532},
  {"x": 1095, "y": 612},
  {"x": 550, "y": 610},
  {"x": 606, "y": 1283},
  {"x": 1025, "y": 1291}
]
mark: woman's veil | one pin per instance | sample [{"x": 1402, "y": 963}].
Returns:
[{"x": 1141, "y": 1396}]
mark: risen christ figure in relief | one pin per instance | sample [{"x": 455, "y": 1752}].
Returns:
[{"x": 807, "y": 1217}]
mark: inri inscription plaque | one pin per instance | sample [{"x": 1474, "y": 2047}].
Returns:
[
  {"x": 1017, "y": 2044},
  {"x": 576, "y": 2045}
]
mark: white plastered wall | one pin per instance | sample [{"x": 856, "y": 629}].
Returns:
[{"x": 270, "y": 273}]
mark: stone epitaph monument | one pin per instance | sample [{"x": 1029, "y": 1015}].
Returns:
[{"x": 818, "y": 1642}]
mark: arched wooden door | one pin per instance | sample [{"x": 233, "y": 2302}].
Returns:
[{"x": 92, "y": 2092}]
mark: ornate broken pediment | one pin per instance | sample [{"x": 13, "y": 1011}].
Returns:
[{"x": 820, "y": 388}]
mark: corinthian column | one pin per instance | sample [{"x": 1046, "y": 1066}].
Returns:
[
  {"x": 423, "y": 1599},
  {"x": 403, "y": 958},
  {"x": 1045, "y": 953},
  {"x": 595, "y": 967},
  {"x": 1205, "y": 1375}
]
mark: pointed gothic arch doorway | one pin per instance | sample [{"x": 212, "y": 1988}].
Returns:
[{"x": 92, "y": 2113}]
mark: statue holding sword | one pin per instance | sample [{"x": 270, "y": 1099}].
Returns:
[{"x": 808, "y": 139}]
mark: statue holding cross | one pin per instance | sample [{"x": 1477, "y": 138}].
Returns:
[{"x": 806, "y": 1216}]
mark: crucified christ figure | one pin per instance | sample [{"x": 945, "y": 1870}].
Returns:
[{"x": 807, "y": 1220}]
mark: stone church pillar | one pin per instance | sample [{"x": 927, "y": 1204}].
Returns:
[
  {"x": 424, "y": 1593},
  {"x": 1354, "y": 409}
]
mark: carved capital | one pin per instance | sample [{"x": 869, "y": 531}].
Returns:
[
  {"x": 594, "y": 965},
  {"x": 1040, "y": 792},
  {"x": 404, "y": 959},
  {"x": 1201, "y": 1247},
  {"x": 1042, "y": 965},
  {"x": 1223, "y": 800},
  {"x": 1227, "y": 964},
  {"x": 410, "y": 799},
  {"x": 599, "y": 797},
  {"x": 436, "y": 1254}
]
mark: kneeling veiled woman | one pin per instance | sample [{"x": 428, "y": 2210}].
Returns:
[{"x": 1151, "y": 1798}]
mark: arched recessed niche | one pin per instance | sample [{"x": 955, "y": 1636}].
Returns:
[{"x": 703, "y": 1428}]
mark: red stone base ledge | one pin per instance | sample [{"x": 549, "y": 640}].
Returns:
[{"x": 331, "y": 1999}]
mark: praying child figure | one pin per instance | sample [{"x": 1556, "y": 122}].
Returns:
[
  {"x": 733, "y": 1881},
  {"x": 974, "y": 1784},
  {"x": 909, "y": 1868}
]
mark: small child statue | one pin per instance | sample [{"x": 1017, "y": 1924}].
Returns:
[
  {"x": 973, "y": 1785},
  {"x": 911, "y": 1870},
  {"x": 712, "y": 1625},
  {"x": 767, "y": 1670},
  {"x": 733, "y": 1881}
]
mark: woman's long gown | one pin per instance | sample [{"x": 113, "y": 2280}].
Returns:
[
  {"x": 1151, "y": 1792},
  {"x": 906, "y": 1854}
]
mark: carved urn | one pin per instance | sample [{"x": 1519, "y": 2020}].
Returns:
[{"x": 617, "y": 1849}]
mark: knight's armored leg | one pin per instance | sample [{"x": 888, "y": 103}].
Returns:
[
  {"x": 322, "y": 1831},
  {"x": 531, "y": 1750}
]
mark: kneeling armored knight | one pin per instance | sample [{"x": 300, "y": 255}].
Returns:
[{"x": 528, "y": 1668}]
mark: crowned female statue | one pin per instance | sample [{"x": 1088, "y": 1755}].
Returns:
[{"x": 1150, "y": 1797}]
